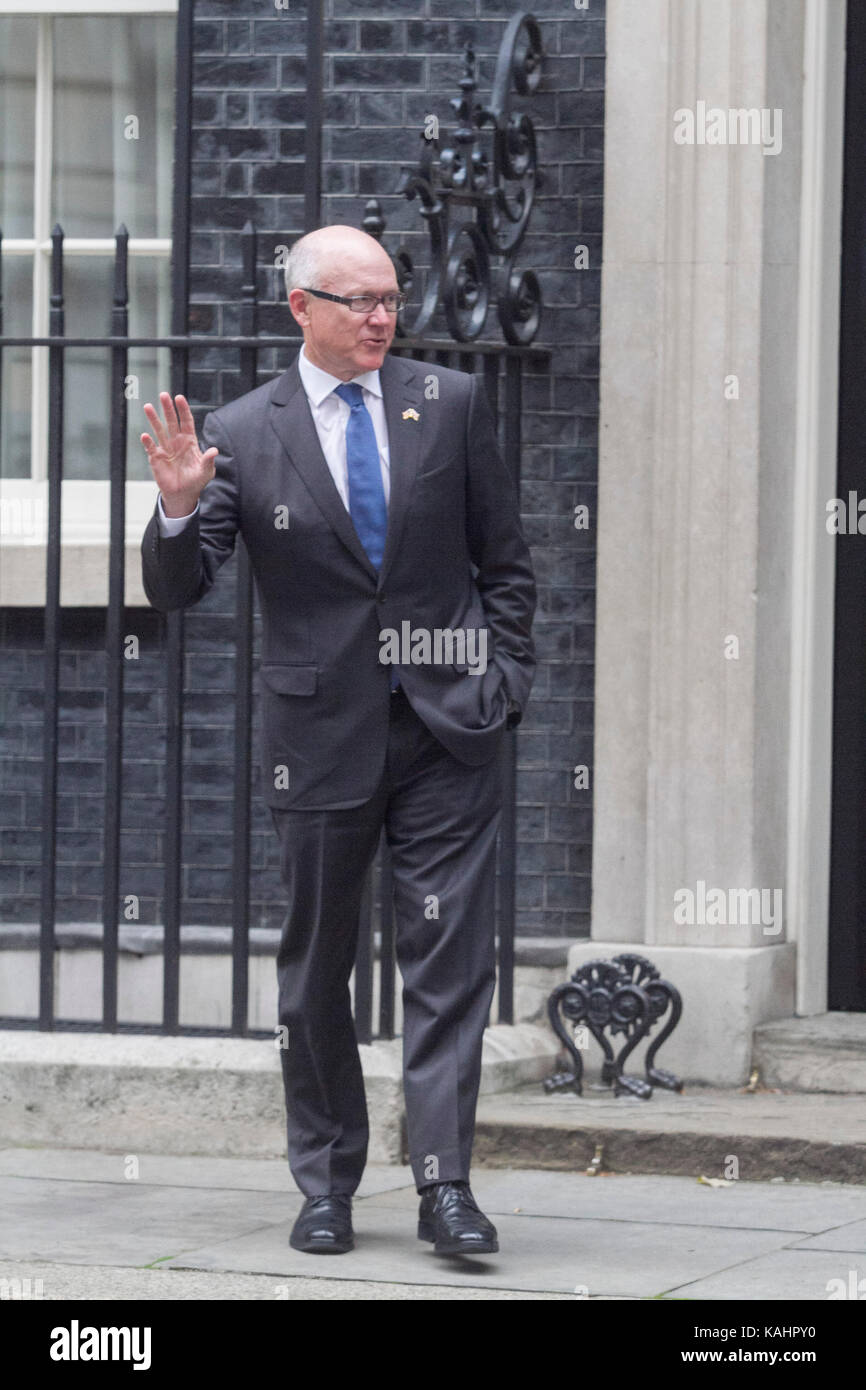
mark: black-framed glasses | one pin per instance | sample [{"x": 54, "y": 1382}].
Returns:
[{"x": 363, "y": 303}]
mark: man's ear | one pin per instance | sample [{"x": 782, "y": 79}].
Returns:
[{"x": 298, "y": 306}]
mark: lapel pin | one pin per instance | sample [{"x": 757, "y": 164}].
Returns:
[{"x": 411, "y": 414}]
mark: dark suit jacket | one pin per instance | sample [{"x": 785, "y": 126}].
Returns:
[{"x": 455, "y": 558}]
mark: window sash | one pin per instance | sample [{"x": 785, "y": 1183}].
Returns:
[
  {"x": 84, "y": 510},
  {"x": 39, "y": 246},
  {"x": 66, "y": 7}
]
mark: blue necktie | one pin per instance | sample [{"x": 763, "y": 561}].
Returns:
[{"x": 366, "y": 492}]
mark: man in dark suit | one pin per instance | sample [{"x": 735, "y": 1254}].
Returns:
[{"x": 397, "y": 597}]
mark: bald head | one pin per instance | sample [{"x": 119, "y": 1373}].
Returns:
[
  {"x": 316, "y": 257},
  {"x": 348, "y": 263}
]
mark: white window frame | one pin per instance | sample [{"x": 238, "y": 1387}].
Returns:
[
  {"x": 85, "y": 502},
  {"x": 93, "y": 7}
]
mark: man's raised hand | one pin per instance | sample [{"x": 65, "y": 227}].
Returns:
[{"x": 180, "y": 468}]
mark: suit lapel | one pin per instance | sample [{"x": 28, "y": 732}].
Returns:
[
  {"x": 400, "y": 392},
  {"x": 293, "y": 422}
]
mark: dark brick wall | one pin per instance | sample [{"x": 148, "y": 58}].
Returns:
[
  {"x": 207, "y": 745},
  {"x": 389, "y": 65}
]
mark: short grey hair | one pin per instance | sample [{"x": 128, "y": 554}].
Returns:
[{"x": 303, "y": 266}]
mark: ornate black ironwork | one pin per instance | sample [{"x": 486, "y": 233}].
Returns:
[
  {"x": 663, "y": 996},
  {"x": 625, "y": 995},
  {"x": 489, "y": 170}
]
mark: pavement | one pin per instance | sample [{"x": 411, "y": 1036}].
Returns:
[{"x": 82, "y": 1224}]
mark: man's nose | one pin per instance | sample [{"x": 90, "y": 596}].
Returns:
[{"x": 380, "y": 314}]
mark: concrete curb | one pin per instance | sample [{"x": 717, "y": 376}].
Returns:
[
  {"x": 768, "y": 1134},
  {"x": 761, "y": 1158}
]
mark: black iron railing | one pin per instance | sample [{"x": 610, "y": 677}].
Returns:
[
  {"x": 475, "y": 192},
  {"x": 501, "y": 366}
]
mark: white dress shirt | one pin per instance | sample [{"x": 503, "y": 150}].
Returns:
[{"x": 330, "y": 416}]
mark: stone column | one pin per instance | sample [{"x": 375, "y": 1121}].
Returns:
[{"x": 699, "y": 381}]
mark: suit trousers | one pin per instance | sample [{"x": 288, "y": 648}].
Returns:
[{"x": 441, "y": 818}]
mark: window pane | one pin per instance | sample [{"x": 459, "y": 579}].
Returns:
[
  {"x": 149, "y": 317},
  {"x": 88, "y": 287},
  {"x": 17, "y": 118},
  {"x": 15, "y": 365},
  {"x": 113, "y": 124}
]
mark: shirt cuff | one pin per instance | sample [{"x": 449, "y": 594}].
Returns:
[{"x": 171, "y": 525}]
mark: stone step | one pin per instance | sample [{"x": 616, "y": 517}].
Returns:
[
  {"x": 207, "y": 1095},
  {"x": 701, "y": 1131},
  {"x": 824, "y": 1053}
]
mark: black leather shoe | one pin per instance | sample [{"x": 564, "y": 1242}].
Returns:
[
  {"x": 324, "y": 1225},
  {"x": 451, "y": 1218}
]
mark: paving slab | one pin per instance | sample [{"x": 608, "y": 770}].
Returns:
[
  {"x": 850, "y": 1237},
  {"x": 89, "y": 1282},
  {"x": 809, "y": 1207},
  {"x": 180, "y": 1170},
  {"x": 536, "y": 1253},
  {"x": 781, "y": 1275},
  {"x": 219, "y": 1229},
  {"x": 107, "y": 1223},
  {"x": 650, "y": 1198}
]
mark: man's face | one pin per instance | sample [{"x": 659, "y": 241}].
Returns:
[{"x": 336, "y": 338}]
